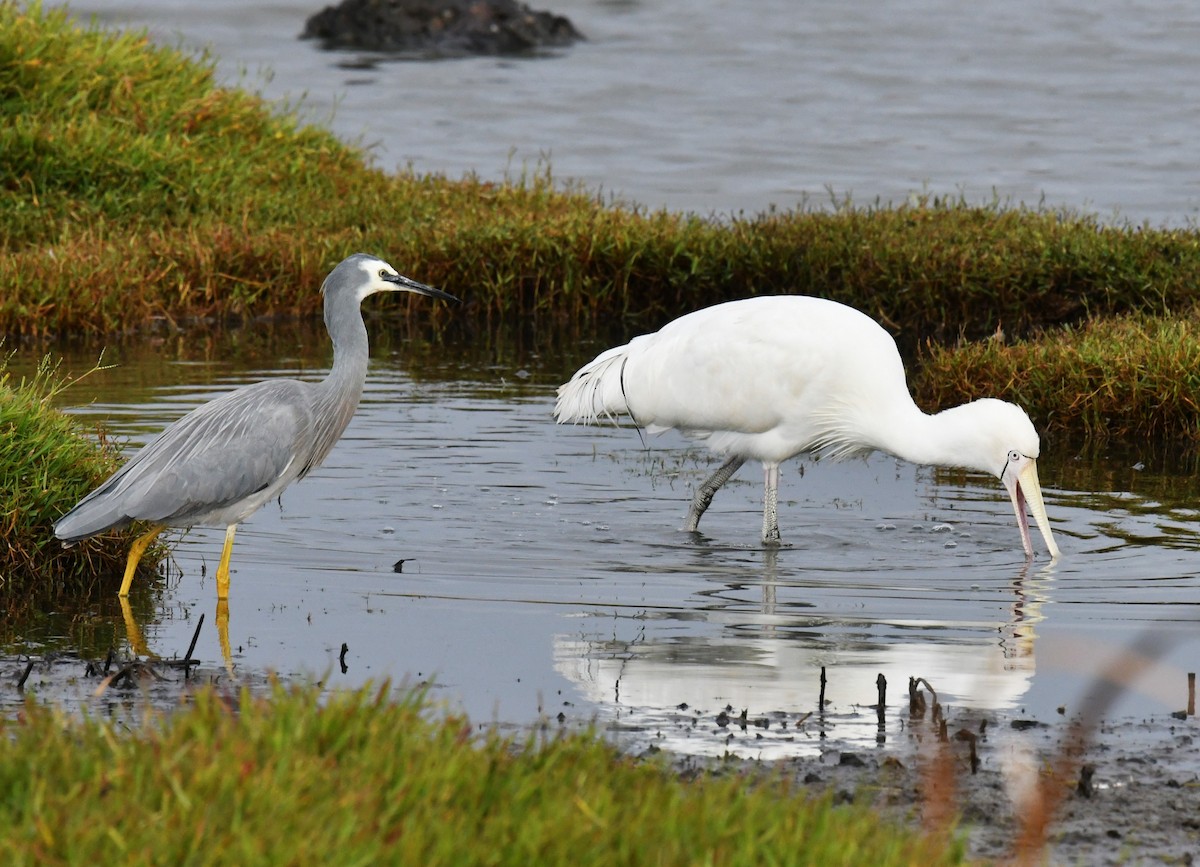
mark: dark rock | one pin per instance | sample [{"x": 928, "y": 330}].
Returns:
[
  {"x": 1026, "y": 724},
  {"x": 439, "y": 27}
]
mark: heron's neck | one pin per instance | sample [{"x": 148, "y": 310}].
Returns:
[
  {"x": 338, "y": 394},
  {"x": 350, "y": 350}
]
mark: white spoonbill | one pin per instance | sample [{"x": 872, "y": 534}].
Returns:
[{"x": 773, "y": 377}]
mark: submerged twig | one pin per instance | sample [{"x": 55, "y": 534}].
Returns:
[{"x": 195, "y": 636}]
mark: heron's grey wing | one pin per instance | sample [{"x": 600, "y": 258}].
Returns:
[{"x": 215, "y": 456}]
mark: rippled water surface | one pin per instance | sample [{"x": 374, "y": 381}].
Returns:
[
  {"x": 721, "y": 107},
  {"x": 543, "y": 569}
]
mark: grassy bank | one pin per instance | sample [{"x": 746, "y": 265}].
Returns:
[
  {"x": 1132, "y": 376},
  {"x": 361, "y": 778},
  {"x": 45, "y": 467},
  {"x": 136, "y": 188}
]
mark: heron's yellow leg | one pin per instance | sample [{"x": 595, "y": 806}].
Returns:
[
  {"x": 223, "y": 633},
  {"x": 132, "y": 631},
  {"x": 223, "y": 568},
  {"x": 135, "y": 555}
]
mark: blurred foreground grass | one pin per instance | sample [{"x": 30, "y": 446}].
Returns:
[{"x": 364, "y": 777}]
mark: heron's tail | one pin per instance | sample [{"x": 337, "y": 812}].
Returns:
[
  {"x": 94, "y": 514},
  {"x": 596, "y": 391}
]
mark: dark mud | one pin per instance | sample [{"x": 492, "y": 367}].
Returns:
[
  {"x": 1129, "y": 794},
  {"x": 124, "y": 689},
  {"x": 1126, "y": 792}
]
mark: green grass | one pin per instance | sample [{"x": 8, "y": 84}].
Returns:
[
  {"x": 104, "y": 128},
  {"x": 363, "y": 778},
  {"x": 136, "y": 188},
  {"x": 46, "y": 465},
  {"x": 1133, "y": 376}
]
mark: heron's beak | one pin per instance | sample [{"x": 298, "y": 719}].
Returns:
[
  {"x": 1023, "y": 487},
  {"x": 405, "y": 284}
]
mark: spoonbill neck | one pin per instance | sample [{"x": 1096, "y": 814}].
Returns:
[{"x": 955, "y": 437}]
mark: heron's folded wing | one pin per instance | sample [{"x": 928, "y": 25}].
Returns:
[
  {"x": 229, "y": 450},
  {"x": 215, "y": 456}
]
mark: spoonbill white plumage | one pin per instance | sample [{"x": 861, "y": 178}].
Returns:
[{"x": 774, "y": 377}]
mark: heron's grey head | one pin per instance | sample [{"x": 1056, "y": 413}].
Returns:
[{"x": 363, "y": 274}]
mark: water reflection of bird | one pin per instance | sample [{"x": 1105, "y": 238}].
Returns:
[
  {"x": 222, "y": 461},
  {"x": 770, "y": 378}
]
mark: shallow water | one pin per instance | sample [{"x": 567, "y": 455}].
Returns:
[
  {"x": 719, "y": 107},
  {"x": 544, "y": 570}
]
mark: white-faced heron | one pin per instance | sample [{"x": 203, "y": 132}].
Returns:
[{"x": 222, "y": 461}]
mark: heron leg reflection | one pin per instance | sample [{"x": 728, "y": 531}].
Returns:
[
  {"x": 135, "y": 555},
  {"x": 133, "y": 632},
  {"x": 223, "y": 633},
  {"x": 223, "y": 568}
]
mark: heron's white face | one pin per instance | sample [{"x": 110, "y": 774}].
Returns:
[{"x": 376, "y": 275}]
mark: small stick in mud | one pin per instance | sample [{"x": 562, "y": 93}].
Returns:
[
  {"x": 24, "y": 677},
  {"x": 916, "y": 699},
  {"x": 342, "y": 658},
  {"x": 881, "y": 707},
  {"x": 113, "y": 680},
  {"x": 1191, "y": 693},
  {"x": 187, "y": 657},
  {"x": 821, "y": 700},
  {"x": 971, "y": 738},
  {"x": 1085, "y": 789},
  {"x": 188, "y": 660}
]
